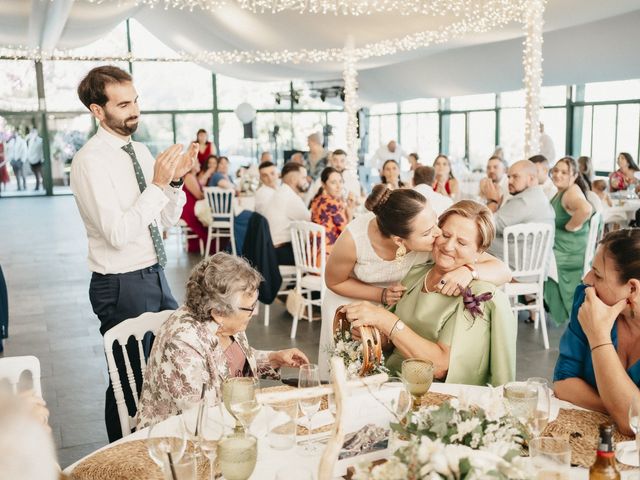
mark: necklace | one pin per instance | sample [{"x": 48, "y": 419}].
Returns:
[{"x": 426, "y": 282}]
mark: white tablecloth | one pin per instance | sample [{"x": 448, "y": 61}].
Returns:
[
  {"x": 271, "y": 460},
  {"x": 621, "y": 213}
]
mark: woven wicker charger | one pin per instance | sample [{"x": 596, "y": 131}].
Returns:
[
  {"x": 581, "y": 428},
  {"x": 126, "y": 461}
]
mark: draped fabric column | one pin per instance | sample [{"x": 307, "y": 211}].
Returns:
[
  {"x": 350, "y": 77},
  {"x": 532, "y": 60}
]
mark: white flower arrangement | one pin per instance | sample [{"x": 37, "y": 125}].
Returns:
[
  {"x": 351, "y": 353},
  {"x": 455, "y": 440}
]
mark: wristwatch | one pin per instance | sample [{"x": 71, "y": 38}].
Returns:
[
  {"x": 177, "y": 184},
  {"x": 474, "y": 272}
]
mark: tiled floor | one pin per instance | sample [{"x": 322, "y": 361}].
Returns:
[{"x": 43, "y": 255}]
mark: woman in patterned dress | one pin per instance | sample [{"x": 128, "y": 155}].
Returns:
[{"x": 204, "y": 341}]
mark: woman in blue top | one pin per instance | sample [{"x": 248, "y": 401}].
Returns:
[
  {"x": 222, "y": 178},
  {"x": 599, "y": 363}
]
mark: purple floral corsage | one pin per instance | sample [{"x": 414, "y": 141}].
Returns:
[{"x": 472, "y": 302}]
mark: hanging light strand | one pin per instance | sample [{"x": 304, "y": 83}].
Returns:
[{"x": 532, "y": 62}]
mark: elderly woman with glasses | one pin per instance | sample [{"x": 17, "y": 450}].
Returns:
[{"x": 204, "y": 341}]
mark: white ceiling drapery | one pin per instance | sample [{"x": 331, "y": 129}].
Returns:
[{"x": 585, "y": 40}]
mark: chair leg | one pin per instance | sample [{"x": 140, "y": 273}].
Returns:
[
  {"x": 294, "y": 326},
  {"x": 217, "y": 243},
  {"x": 542, "y": 318},
  {"x": 206, "y": 253},
  {"x": 309, "y": 307},
  {"x": 266, "y": 315},
  {"x": 201, "y": 247}
]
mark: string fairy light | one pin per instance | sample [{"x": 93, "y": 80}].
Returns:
[
  {"x": 532, "y": 62},
  {"x": 350, "y": 77}
]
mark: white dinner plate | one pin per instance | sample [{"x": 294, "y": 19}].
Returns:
[{"x": 627, "y": 453}]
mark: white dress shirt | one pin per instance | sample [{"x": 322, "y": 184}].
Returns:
[
  {"x": 437, "y": 201},
  {"x": 547, "y": 148},
  {"x": 549, "y": 188},
  {"x": 383, "y": 154},
  {"x": 16, "y": 149},
  {"x": 115, "y": 213},
  {"x": 34, "y": 148},
  {"x": 285, "y": 207},
  {"x": 262, "y": 198}
]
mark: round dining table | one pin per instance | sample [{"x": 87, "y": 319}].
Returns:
[{"x": 270, "y": 460}]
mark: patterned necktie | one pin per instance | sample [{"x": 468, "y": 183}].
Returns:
[{"x": 153, "y": 228}]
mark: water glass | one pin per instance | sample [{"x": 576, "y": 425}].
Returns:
[
  {"x": 185, "y": 468},
  {"x": 160, "y": 445},
  {"x": 418, "y": 377},
  {"x": 237, "y": 456},
  {"x": 282, "y": 424},
  {"x": 309, "y": 377},
  {"x": 236, "y": 390},
  {"x": 401, "y": 401},
  {"x": 521, "y": 399},
  {"x": 540, "y": 418},
  {"x": 551, "y": 458},
  {"x": 212, "y": 432}
]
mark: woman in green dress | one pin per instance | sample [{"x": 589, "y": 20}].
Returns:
[
  {"x": 471, "y": 339},
  {"x": 573, "y": 212}
]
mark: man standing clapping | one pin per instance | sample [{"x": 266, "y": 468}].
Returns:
[{"x": 125, "y": 197}]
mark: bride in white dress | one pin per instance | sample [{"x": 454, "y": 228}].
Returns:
[{"x": 378, "y": 249}]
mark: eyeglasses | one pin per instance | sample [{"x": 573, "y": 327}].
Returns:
[{"x": 249, "y": 309}]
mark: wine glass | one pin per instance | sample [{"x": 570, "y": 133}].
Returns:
[
  {"x": 160, "y": 445},
  {"x": 212, "y": 431},
  {"x": 634, "y": 419},
  {"x": 309, "y": 377},
  {"x": 236, "y": 390},
  {"x": 540, "y": 418}
]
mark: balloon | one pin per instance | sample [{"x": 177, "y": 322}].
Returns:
[{"x": 245, "y": 112}]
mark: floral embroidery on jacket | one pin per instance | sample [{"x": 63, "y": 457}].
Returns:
[{"x": 186, "y": 354}]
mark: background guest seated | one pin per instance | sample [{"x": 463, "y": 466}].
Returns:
[
  {"x": 494, "y": 188},
  {"x": 328, "y": 207},
  {"x": 193, "y": 192},
  {"x": 204, "y": 340},
  {"x": 222, "y": 178},
  {"x": 423, "y": 178},
  {"x": 544, "y": 179},
  {"x": 600, "y": 189},
  {"x": 390, "y": 175},
  {"x": 625, "y": 175},
  {"x": 269, "y": 182},
  {"x": 473, "y": 348},
  {"x": 599, "y": 363},
  {"x": 286, "y": 206},
  {"x": 445, "y": 183},
  {"x": 210, "y": 168}
]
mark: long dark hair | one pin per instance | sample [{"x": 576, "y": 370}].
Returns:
[
  {"x": 623, "y": 247},
  {"x": 442, "y": 155},
  {"x": 395, "y": 209},
  {"x": 324, "y": 178},
  {"x": 632, "y": 165},
  {"x": 383, "y": 179},
  {"x": 574, "y": 170},
  {"x": 202, "y": 130}
]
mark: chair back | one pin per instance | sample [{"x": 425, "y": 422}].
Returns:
[
  {"x": 12, "y": 369},
  {"x": 527, "y": 247},
  {"x": 309, "y": 248},
  {"x": 220, "y": 202},
  {"x": 136, "y": 327},
  {"x": 595, "y": 235}
]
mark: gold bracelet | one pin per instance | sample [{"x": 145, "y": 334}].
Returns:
[{"x": 601, "y": 345}]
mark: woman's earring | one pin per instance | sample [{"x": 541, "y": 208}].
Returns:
[
  {"x": 401, "y": 252},
  {"x": 633, "y": 314}
]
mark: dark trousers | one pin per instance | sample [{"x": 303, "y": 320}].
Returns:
[
  {"x": 118, "y": 297},
  {"x": 284, "y": 254},
  {"x": 36, "y": 168},
  {"x": 4, "y": 309}
]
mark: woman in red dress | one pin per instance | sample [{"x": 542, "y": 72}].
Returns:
[
  {"x": 205, "y": 148},
  {"x": 193, "y": 191},
  {"x": 445, "y": 183},
  {"x": 4, "y": 172}
]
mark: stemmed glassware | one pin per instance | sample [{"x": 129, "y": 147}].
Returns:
[
  {"x": 521, "y": 400},
  {"x": 540, "y": 417},
  {"x": 634, "y": 420},
  {"x": 212, "y": 431},
  {"x": 309, "y": 377},
  {"x": 239, "y": 396},
  {"x": 161, "y": 447}
]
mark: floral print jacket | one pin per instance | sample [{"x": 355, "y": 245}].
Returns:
[
  {"x": 186, "y": 354},
  {"x": 331, "y": 213}
]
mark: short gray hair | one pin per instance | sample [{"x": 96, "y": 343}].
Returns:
[{"x": 215, "y": 285}]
